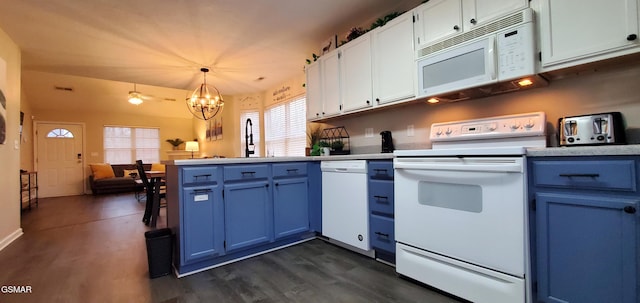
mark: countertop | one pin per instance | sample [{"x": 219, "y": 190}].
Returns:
[
  {"x": 378, "y": 156},
  {"x": 602, "y": 150}
]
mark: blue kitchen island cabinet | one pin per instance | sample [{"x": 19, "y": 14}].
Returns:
[
  {"x": 585, "y": 228},
  {"x": 290, "y": 199},
  {"x": 248, "y": 206},
  {"x": 222, "y": 213}
]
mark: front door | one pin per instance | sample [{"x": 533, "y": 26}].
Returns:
[{"x": 59, "y": 159}]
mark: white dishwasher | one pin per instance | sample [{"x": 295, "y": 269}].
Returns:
[{"x": 345, "y": 211}]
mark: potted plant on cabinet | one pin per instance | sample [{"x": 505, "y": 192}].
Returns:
[
  {"x": 175, "y": 142},
  {"x": 313, "y": 135},
  {"x": 337, "y": 145}
]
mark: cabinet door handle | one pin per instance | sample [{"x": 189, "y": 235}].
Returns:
[
  {"x": 196, "y": 177},
  {"x": 382, "y": 199},
  {"x": 277, "y": 184},
  {"x": 292, "y": 170},
  {"x": 382, "y": 234},
  {"x": 201, "y": 191},
  {"x": 378, "y": 100},
  {"x": 473, "y": 21},
  {"x": 455, "y": 27},
  {"x": 248, "y": 173},
  {"x": 380, "y": 171},
  {"x": 368, "y": 102},
  {"x": 632, "y": 37},
  {"x": 580, "y": 175},
  {"x": 630, "y": 209}
]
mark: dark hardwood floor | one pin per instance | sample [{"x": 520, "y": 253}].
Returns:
[{"x": 92, "y": 249}]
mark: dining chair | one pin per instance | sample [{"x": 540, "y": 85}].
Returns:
[{"x": 155, "y": 194}]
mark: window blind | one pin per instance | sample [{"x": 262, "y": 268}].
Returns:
[
  {"x": 285, "y": 128},
  {"x": 124, "y": 145}
]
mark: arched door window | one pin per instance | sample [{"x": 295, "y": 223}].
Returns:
[{"x": 60, "y": 133}]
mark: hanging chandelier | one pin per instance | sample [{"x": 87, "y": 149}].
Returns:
[
  {"x": 202, "y": 104},
  {"x": 135, "y": 97}
]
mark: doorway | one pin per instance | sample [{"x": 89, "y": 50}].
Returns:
[{"x": 59, "y": 159}]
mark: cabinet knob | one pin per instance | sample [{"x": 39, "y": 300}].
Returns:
[
  {"x": 632, "y": 37},
  {"x": 317, "y": 114},
  {"x": 378, "y": 100},
  {"x": 368, "y": 102},
  {"x": 455, "y": 27},
  {"x": 473, "y": 21},
  {"x": 630, "y": 209}
]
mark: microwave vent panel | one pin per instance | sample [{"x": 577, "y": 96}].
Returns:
[{"x": 481, "y": 31}]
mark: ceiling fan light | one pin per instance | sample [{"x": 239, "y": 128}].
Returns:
[{"x": 135, "y": 98}]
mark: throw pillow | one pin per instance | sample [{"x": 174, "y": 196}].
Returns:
[
  {"x": 157, "y": 167},
  {"x": 102, "y": 171},
  {"x": 128, "y": 172}
]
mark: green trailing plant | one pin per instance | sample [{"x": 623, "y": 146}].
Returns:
[
  {"x": 315, "y": 58},
  {"x": 315, "y": 150},
  {"x": 382, "y": 21},
  {"x": 175, "y": 142},
  {"x": 324, "y": 144}
]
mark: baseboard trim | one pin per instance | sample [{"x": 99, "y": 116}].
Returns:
[{"x": 10, "y": 238}]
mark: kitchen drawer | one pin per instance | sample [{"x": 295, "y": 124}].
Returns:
[
  {"x": 382, "y": 233},
  {"x": 246, "y": 172},
  {"x": 380, "y": 170},
  {"x": 606, "y": 174},
  {"x": 199, "y": 175},
  {"x": 381, "y": 196},
  {"x": 295, "y": 169}
]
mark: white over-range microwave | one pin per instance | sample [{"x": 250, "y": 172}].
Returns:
[{"x": 498, "y": 52}]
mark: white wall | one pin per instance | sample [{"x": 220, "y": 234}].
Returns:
[
  {"x": 612, "y": 89},
  {"x": 10, "y": 156}
]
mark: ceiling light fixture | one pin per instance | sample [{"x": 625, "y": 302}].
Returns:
[
  {"x": 135, "y": 97},
  {"x": 202, "y": 104}
]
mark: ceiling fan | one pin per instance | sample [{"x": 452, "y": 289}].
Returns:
[{"x": 137, "y": 98}]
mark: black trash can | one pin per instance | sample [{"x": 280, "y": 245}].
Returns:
[{"x": 159, "y": 251}]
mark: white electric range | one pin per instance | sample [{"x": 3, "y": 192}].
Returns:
[{"x": 460, "y": 208}]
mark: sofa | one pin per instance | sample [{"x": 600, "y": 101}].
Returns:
[{"x": 102, "y": 181}]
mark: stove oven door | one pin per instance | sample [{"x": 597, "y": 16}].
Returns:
[{"x": 464, "y": 216}]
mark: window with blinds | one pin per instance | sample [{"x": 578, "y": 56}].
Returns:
[
  {"x": 255, "y": 121},
  {"x": 285, "y": 128},
  {"x": 125, "y": 145}
]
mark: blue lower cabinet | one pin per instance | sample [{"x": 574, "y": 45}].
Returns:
[
  {"x": 290, "y": 206},
  {"x": 203, "y": 228},
  {"x": 382, "y": 233},
  {"x": 587, "y": 248},
  {"x": 248, "y": 214}
]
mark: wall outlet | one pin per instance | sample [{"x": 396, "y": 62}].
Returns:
[
  {"x": 368, "y": 132},
  {"x": 410, "y": 130}
]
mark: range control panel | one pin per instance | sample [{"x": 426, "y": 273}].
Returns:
[{"x": 519, "y": 125}]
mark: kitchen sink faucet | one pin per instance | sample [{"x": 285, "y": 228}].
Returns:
[{"x": 248, "y": 139}]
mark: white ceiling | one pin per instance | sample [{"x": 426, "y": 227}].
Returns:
[{"x": 163, "y": 44}]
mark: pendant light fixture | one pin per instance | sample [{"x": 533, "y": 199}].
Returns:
[
  {"x": 135, "y": 97},
  {"x": 203, "y": 104}
]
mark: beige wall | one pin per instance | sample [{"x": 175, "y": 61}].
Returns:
[
  {"x": 610, "y": 89},
  {"x": 9, "y": 152}
]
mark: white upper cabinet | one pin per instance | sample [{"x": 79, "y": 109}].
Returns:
[
  {"x": 355, "y": 74},
  {"x": 480, "y": 12},
  {"x": 575, "y": 32},
  {"x": 314, "y": 91},
  {"x": 330, "y": 74},
  {"x": 393, "y": 66},
  {"x": 438, "y": 20}
]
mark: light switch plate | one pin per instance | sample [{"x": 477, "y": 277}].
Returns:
[
  {"x": 368, "y": 132},
  {"x": 410, "y": 130}
]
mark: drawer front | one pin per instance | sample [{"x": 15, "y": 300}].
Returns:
[
  {"x": 606, "y": 174},
  {"x": 381, "y": 196},
  {"x": 246, "y": 172},
  {"x": 199, "y": 174},
  {"x": 380, "y": 170},
  {"x": 289, "y": 169},
  {"x": 382, "y": 233}
]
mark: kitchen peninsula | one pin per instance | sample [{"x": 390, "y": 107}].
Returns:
[{"x": 228, "y": 209}]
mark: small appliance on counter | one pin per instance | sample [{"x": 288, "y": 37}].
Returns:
[
  {"x": 593, "y": 129},
  {"x": 387, "y": 141}
]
